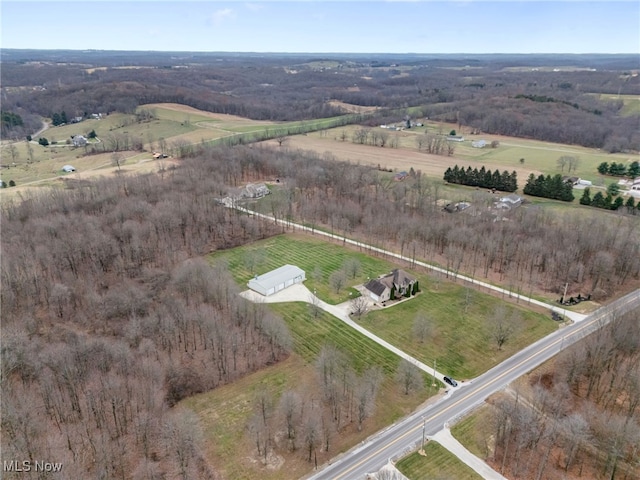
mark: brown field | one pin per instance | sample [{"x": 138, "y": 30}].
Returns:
[
  {"x": 396, "y": 159},
  {"x": 202, "y": 113}
]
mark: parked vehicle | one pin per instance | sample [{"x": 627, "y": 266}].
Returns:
[{"x": 450, "y": 381}]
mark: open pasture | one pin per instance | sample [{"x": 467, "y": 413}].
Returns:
[{"x": 539, "y": 157}]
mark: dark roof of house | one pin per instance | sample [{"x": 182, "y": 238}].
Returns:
[
  {"x": 402, "y": 278},
  {"x": 375, "y": 286}
]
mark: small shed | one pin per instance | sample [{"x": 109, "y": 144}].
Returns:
[
  {"x": 276, "y": 280},
  {"x": 68, "y": 169}
]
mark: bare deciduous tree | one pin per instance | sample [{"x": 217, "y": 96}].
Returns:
[
  {"x": 423, "y": 327},
  {"x": 337, "y": 280},
  {"x": 409, "y": 377}
]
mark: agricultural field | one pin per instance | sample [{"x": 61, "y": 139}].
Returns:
[
  {"x": 630, "y": 103},
  {"x": 539, "y": 157},
  {"x": 169, "y": 126},
  {"x": 437, "y": 463}
]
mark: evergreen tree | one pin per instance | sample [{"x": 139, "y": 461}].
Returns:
[
  {"x": 617, "y": 203},
  {"x": 630, "y": 204},
  {"x": 598, "y": 200},
  {"x": 634, "y": 170},
  {"x": 603, "y": 168},
  {"x": 586, "y": 197},
  {"x": 529, "y": 187}
]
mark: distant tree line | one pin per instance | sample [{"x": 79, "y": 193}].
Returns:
[
  {"x": 505, "y": 181},
  {"x": 549, "y": 187},
  {"x": 499, "y": 102}
]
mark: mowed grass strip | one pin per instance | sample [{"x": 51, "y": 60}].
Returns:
[
  {"x": 475, "y": 430},
  {"x": 460, "y": 342},
  {"x": 437, "y": 463},
  {"x": 318, "y": 258}
]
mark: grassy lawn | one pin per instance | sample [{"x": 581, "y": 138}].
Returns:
[
  {"x": 473, "y": 431},
  {"x": 461, "y": 341},
  {"x": 438, "y": 463},
  {"x": 318, "y": 258}
]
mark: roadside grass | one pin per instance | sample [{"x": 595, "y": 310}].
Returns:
[
  {"x": 318, "y": 258},
  {"x": 474, "y": 431},
  {"x": 437, "y": 463},
  {"x": 461, "y": 343}
]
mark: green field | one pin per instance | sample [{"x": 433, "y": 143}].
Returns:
[
  {"x": 461, "y": 343},
  {"x": 630, "y": 103},
  {"x": 438, "y": 464},
  {"x": 318, "y": 258}
]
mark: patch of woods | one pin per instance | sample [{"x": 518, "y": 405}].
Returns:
[
  {"x": 534, "y": 250},
  {"x": 579, "y": 418},
  {"x": 301, "y": 421},
  {"x": 550, "y": 106},
  {"x": 505, "y": 181},
  {"x": 110, "y": 318}
]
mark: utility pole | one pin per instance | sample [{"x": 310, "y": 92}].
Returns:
[{"x": 434, "y": 373}]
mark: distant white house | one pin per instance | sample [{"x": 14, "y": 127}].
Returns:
[
  {"x": 479, "y": 143},
  {"x": 277, "y": 280},
  {"x": 68, "y": 169},
  {"x": 79, "y": 141}
]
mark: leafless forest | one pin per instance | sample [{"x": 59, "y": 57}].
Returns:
[
  {"x": 516, "y": 95},
  {"x": 111, "y": 315},
  {"x": 109, "y": 318},
  {"x": 581, "y": 416}
]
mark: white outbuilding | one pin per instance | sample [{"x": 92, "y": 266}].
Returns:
[
  {"x": 68, "y": 169},
  {"x": 276, "y": 280}
]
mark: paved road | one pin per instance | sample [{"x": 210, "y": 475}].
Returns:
[{"x": 406, "y": 436}]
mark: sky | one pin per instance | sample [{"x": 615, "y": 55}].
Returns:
[{"x": 358, "y": 26}]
